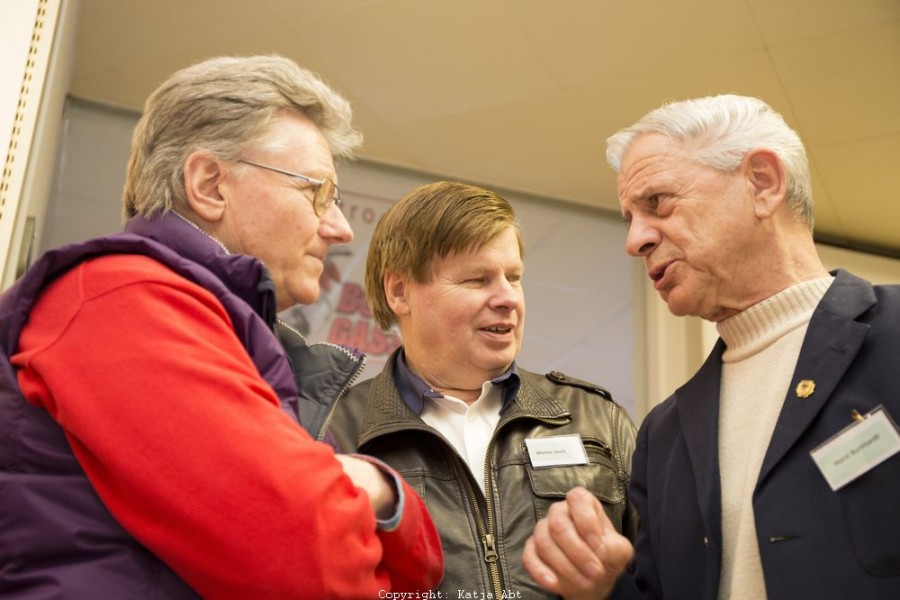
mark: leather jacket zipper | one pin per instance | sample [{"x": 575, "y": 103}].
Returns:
[{"x": 485, "y": 527}]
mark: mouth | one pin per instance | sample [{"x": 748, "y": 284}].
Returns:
[
  {"x": 657, "y": 274},
  {"x": 498, "y": 329}
]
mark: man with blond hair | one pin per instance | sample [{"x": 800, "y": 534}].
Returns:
[{"x": 488, "y": 444}]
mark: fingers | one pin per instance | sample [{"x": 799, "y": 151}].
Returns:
[
  {"x": 560, "y": 557},
  {"x": 548, "y": 563},
  {"x": 594, "y": 527},
  {"x": 616, "y": 552},
  {"x": 575, "y": 551},
  {"x": 588, "y": 517},
  {"x": 539, "y": 570}
]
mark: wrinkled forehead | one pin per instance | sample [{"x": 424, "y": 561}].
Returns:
[
  {"x": 652, "y": 159},
  {"x": 652, "y": 144}
]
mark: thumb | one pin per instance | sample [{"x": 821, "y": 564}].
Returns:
[{"x": 616, "y": 552}]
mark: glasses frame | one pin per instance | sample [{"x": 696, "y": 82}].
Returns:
[{"x": 320, "y": 200}]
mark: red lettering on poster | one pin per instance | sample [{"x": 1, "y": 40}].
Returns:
[
  {"x": 353, "y": 300},
  {"x": 362, "y": 334}
]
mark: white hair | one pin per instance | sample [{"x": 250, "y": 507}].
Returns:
[{"x": 719, "y": 131}]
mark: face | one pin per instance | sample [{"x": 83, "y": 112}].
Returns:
[
  {"x": 465, "y": 326},
  {"x": 691, "y": 224},
  {"x": 270, "y": 215}
]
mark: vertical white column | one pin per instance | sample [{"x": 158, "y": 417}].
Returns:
[
  {"x": 670, "y": 349},
  {"x": 37, "y": 45}
]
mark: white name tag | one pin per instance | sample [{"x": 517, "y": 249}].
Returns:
[
  {"x": 556, "y": 451},
  {"x": 857, "y": 449}
]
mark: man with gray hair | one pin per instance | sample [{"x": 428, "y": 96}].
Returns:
[
  {"x": 775, "y": 471},
  {"x": 157, "y": 439}
]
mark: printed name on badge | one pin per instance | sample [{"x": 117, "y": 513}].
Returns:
[
  {"x": 556, "y": 451},
  {"x": 858, "y": 448}
]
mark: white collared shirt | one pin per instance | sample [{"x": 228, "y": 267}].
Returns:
[{"x": 468, "y": 427}]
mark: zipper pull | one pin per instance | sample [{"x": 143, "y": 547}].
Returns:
[{"x": 490, "y": 555}]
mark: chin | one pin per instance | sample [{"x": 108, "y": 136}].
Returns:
[
  {"x": 678, "y": 310},
  {"x": 679, "y": 307},
  {"x": 303, "y": 296},
  {"x": 497, "y": 365}
]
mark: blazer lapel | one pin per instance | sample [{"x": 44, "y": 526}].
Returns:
[
  {"x": 698, "y": 412},
  {"x": 831, "y": 344}
]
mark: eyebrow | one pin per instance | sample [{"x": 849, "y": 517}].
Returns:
[{"x": 645, "y": 192}]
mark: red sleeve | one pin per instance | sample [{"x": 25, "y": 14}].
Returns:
[
  {"x": 188, "y": 448},
  {"x": 413, "y": 552},
  {"x": 413, "y": 556}
]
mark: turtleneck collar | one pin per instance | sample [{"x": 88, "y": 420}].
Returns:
[{"x": 761, "y": 325}]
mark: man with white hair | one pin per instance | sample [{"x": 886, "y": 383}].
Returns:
[{"x": 774, "y": 472}]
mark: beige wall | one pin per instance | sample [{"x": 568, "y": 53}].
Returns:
[{"x": 877, "y": 269}]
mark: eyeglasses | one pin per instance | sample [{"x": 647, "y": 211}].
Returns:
[{"x": 326, "y": 194}]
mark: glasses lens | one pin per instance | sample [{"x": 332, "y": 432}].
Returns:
[{"x": 324, "y": 197}]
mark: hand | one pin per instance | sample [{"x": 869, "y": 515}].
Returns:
[
  {"x": 369, "y": 478},
  {"x": 575, "y": 551}
]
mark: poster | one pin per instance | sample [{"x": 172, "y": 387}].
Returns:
[{"x": 341, "y": 315}]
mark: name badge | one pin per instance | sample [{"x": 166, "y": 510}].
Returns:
[
  {"x": 556, "y": 451},
  {"x": 858, "y": 448}
]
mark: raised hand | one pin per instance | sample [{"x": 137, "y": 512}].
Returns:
[{"x": 575, "y": 551}]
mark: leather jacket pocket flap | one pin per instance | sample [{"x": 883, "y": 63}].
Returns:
[{"x": 552, "y": 483}]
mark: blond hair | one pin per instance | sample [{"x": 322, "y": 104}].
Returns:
[{"x": 431, "y": 222}]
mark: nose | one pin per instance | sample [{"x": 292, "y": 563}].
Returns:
[
  {"x": 508, "y": 295},
  {"x": 334, "y": 227},
  {"x": 642, "y": 238}
]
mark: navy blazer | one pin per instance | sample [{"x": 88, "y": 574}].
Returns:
[{"x": 813, "y": 542}]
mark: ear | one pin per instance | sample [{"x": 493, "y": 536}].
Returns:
[
  {"x": 202, "y": 178},
  {"x": 395, "y": 290},
  {"x": 768, "y": 181}
]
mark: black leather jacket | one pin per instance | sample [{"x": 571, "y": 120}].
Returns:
[{"x": 484, "y": 534}]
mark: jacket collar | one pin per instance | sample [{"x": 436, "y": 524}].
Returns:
[
  {"x": 414, "y": 390},
  {"x": 386, "y": 411},
  {"x": 245, "y": 276}
]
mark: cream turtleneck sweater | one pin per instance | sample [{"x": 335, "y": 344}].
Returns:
[{"x": 763, "y": 344}]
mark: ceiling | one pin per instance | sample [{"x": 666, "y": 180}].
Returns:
[{"x": 522, "y": 94}]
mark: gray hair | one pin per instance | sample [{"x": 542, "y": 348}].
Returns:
[
  {"x": 224, "y": 105},
  {"x": 718, "y": 131}
]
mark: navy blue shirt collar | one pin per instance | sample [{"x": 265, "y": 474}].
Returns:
[{"x": 414, "y": 390}]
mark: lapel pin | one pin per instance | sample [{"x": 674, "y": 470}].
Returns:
[{"x": 805, "y": 388}]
